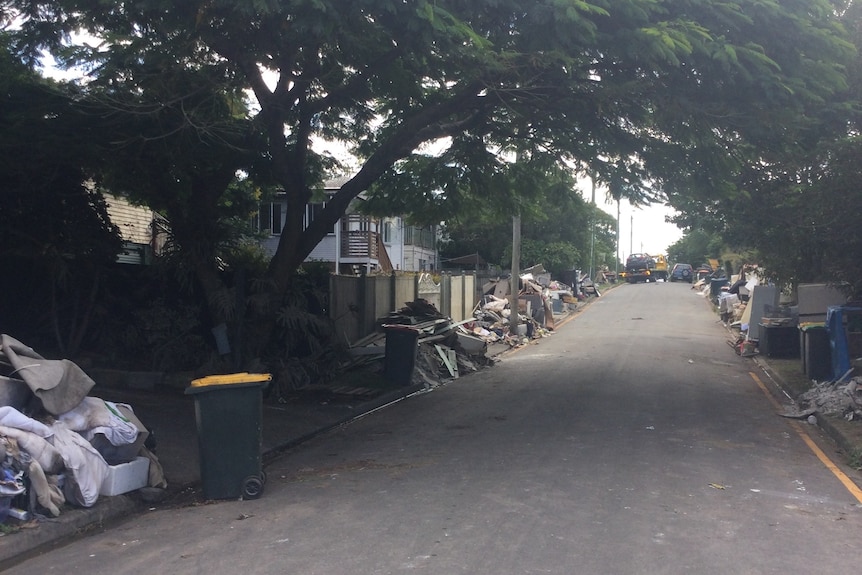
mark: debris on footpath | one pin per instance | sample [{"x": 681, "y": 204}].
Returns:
[
  {"x": 800, "y": 329},
  {"x": 446, "y": 349},
  {"x": 59, "y": 446},
  {"x": 834, "y": 398}
]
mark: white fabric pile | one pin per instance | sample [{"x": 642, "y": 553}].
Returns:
[{"x": 63, "y": 447}]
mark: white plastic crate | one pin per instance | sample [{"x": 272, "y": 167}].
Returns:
[{"x": 126, "y": 477}]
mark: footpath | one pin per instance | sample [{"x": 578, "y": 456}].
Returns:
[{"x": 169, "y": 414}]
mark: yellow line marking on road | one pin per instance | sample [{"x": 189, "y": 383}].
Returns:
[{"x": 824, "y": 459}]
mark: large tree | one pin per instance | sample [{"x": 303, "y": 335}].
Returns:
[
  {"x": 179, "y": 140},
  {"x": 558, "y": 227},
  {"x": 632, "y": 90},
  {"x": 794, "y": 213},
  {"x": 56, "y": 239}
]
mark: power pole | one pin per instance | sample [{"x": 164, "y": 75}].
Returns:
[
  {"x": 516, "y": 274},
  {"x": 592, "y": 229},
  {"x": 617, "y": 258}
]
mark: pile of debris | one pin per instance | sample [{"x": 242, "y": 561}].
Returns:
[
  {"x": 842, "y": 398},
  {"x": 448, "y": 349},
  {"x": 58, "y": 445}
]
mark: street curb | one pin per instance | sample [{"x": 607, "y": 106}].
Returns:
[
  {"x": 362, "y": 410},
  {"x": 71, "y": 523},
  {"x": 775, "y": 377},
  {"x": 823, "y": 422}
]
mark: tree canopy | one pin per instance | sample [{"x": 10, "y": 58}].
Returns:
[
  {"x": 795, "y": 213},
  {"x": 558, "y": 227},
  {"x": 46, "y": 207},
  {"x": 55, "y": 234},
  {"x": 676, "y": 93}
]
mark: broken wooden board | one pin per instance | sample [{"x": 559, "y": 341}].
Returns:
[{"x": 449, "y": 360}]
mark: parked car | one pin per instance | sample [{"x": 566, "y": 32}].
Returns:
[{"x": 682, "y": 273}]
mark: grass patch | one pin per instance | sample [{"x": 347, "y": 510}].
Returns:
[{"x": 790, "y": 371}]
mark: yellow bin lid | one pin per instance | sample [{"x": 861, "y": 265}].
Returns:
[{"x": 231, "y": 378}]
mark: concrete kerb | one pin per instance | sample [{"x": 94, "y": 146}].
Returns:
[
  {"x": 363, "y": 409},
  {"x": 57, "y": 531}
]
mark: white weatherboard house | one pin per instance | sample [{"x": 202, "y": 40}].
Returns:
[
  {"x": 358, "y": 241},
  {"x": 143, "y": 230}
]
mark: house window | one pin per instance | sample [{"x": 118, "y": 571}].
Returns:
[
  {"x": 312, "y": 212},
  {"x": 387, "y": 232},
  {"x": 419, "y": 237},
  {"x": 270, "y": 218}
]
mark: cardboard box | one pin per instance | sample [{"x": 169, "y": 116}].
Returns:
[
  {"x": 126, "y": 477},
  {"x": 116, "y": 454}
]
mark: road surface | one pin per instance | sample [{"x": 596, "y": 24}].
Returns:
[{"x": 632, "y": 441}]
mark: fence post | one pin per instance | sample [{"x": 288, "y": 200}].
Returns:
[
  {"x": 477, "y": 293},
  {"x": 446, "y": 294},
  {"x": 333, "y": 298},
  {"x": 463, "y": 295},
  {"x": 362, "y": 298}
]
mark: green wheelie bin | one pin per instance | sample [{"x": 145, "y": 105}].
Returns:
[{"x": 229, "y": 413}]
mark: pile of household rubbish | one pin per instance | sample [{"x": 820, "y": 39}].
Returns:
[
  {"x": 58, "y": 445},
  {"x": 730, "y": 294},
  {"x": 754, "y": 310},
  {"x": 446, "y": 349},
  {"x": 838, "y": 397}
]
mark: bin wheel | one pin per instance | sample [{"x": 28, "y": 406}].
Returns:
[
  {"x": 252, "y": 487},
  {"x": 263, "y": 476}
]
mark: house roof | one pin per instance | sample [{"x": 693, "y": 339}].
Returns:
[
  {"x": 471, "y": 259},
  {"x": 336, "y": 183}
]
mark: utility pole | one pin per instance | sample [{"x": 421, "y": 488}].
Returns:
[
  {"x": 617, "y": 258},
  {"x": 592, "y": 229},
  {"x": 514, "y": 288},
  {"x": 631, "y": 234}
]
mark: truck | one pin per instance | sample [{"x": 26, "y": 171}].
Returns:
[
  {"x": 639, "y": 268},
  {"x": 661, "y": 270}
]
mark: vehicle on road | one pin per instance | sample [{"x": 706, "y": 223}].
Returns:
[
  {"x": 639, "y": 268},
  {"x": 682, "y": 273},
  {"x": 660, "y": 271}
]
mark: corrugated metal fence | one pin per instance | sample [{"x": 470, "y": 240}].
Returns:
[{"x": 357, "y": 301}]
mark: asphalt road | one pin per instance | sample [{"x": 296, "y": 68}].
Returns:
[{"x": 632, "y": 441}]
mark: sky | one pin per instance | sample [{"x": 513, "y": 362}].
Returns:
[{"x": 642, "y": 229}]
